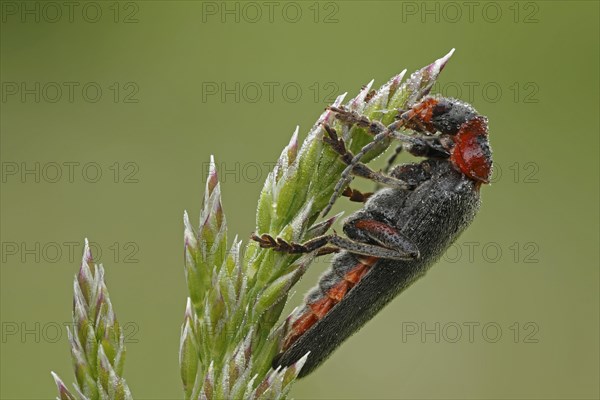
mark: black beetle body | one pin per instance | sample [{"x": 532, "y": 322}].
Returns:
[{"x": 400, "y": 232}]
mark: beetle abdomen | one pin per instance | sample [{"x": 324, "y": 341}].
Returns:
[{"x": 346, "y": 272}]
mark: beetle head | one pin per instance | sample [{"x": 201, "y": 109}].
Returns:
[{"x": 438, "y": 114}]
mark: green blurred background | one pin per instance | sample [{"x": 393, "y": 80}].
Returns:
[{"x": 179, "y": 82}]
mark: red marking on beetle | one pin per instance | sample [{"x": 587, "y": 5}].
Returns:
[
  {"x": 375, "y": 226},
  {"x": 338, "y": 292},
  {"x": 425, "y": 109},
  {"x": 423, "y": 112},
  {"x": 318, "y": 309},
  {"x": 301, "y": 325},
  {"x": 356, "y": 273},
  {"x": 471, "y": 153},
  {"x": 322, "y": 306}
]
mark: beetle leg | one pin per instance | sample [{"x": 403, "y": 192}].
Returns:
[
  {"x": 318, "y": 244},
  {"x": 402, "y": 250},
  {"x": 354, "y": 118},
  {"x": 356, "y": 195},
  {"x": 354, "y": 167},
  {"x": 365, "y": 172},
  {"x": 422, "y": 146},
  {"x": 382, "y": 233},
  {"x": 337, "y": 144},
  {"x": 360, "y": 169},
  {"x": 417, "y": 145},
  {"x": 392, "y": 158},
  {"x": 267, "y": 241},
  {"x": 327, "y": 250}
]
